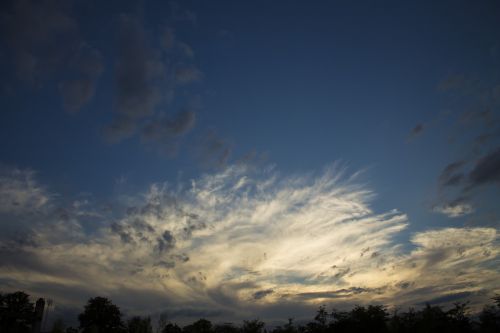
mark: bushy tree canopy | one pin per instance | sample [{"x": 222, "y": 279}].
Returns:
[{"x": 101, "y": 316}]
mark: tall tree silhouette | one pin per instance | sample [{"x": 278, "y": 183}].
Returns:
[
  {"x": 16, "y": 312},
  {"x": 101, "y": 316}
]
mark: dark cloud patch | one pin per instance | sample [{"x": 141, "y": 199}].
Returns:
[
  {"x": 143, "y": 226},
  {"x": 450, "y": 298},
  {"x": 166, "y": 131},
  {"x": 472, "y": 117},
  {"x": 404, "y": 284},
  {"x": 452, "y": 82},
  {"x": 38, "y": 35},
  {"x": 165, "y": 264},
  {"x": 455, "y": 208},
  {"x": 341, "y": 273},
  {"x": 451, "y": 174},
  {"x": 262, "y": 293},
  {"x": 224, "y": 293},
  {"x": 135, "y": 231},
  {"x": 193, "y": 223},
  {"x": 122, "y": 233},
  {"x": 44, "y": 44},
  {"x": 486, "y": 170},
  {"x": 146, "y": 75},
  {"x": 417, "y": 130},
  {"x": 253, "y": 159},
  {"x": 213, "y": 151},
  {"x": 363, "y": 251},
  {"x": 138, "y": 70},
  {"x": 166, "y": 242},
  {"x": 487, "y": 137},
  {"x": 196, "y": 313},
  {"x": 435, "y": 256},
  {"x": 25, "y": 259},
  {"x": 454, "y": 180},
  {"x": 340, "y": 293},
  {"x": 87, "y": 64},
  {"x": 181, "y": 257}
]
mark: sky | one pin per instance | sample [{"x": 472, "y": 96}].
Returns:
[{"x": 242, "y": 159}]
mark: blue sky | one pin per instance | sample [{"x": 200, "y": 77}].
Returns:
[{"x": 379, "y": 111}]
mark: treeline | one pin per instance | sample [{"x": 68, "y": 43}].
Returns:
[{"x": 100, "y": 315}]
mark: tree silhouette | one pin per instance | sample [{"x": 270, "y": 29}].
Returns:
[
  {"x": 171, "y": 328},
  {"x": 226, "y": 328},
  {"x": 101, "y": 316},
  {"x": 287, "y": 328},
  {"x": 252, "y": 326},
  {"x": 199, "y": 326},
  {"x": 489, "y": 318},
  {"x": 16, "y": 312},
  {"x": 458, "y": 320},
  {"x": 139, "y": 325}
]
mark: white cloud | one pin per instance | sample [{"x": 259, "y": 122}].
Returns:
[
  {"x": 19, "y": 191},
  {"x": 454, "y": 209},
  {"x": 239, "y": 242}
]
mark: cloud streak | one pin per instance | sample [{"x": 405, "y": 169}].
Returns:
[{"x": 240, "y": 241}]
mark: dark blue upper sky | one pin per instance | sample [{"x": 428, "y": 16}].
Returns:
[
  {"x": 306, "y": 84},
  {"x": 103, "y": 99}
]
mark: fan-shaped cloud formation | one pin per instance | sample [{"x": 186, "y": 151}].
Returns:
[{"x": 242, "y": 241}]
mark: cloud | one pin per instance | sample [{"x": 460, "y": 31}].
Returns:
[
  {"x": 147, "y": 74},
  {"x": 20, "y": 193},
  {"x": 246, "y": 241},
  {"x": 262, "y": 293},
  {"x": 138, "y": 71},
  {"x": 456, "y": 208},
  {"x": 452, "y": 297},
  {"x": 33, "y": 31},
  {"x": 451, "y": 174},
  {"x": 474, "y": 126},
  {"x": 165, "y": 131},
  {"x": 213, "y": 152},
  {"x": 44, "y": 44},
  {"x": 486, "y": 169},
  {"x": 78, "y": 91},
  {"x": 417, "y": 130}
]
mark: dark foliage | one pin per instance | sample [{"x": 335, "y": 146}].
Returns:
[
  {"x": 100, "y": 315},
  {"x": 139, "y": 325},
  {"x": 16, "y": 312},
  {"x": 171, "y": 328},
  {"x": 199, "y": 326}
]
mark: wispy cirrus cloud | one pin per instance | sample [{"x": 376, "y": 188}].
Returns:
[
  {"x": 242, "y": 242},
  {"x": 20, "y": 193}
]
